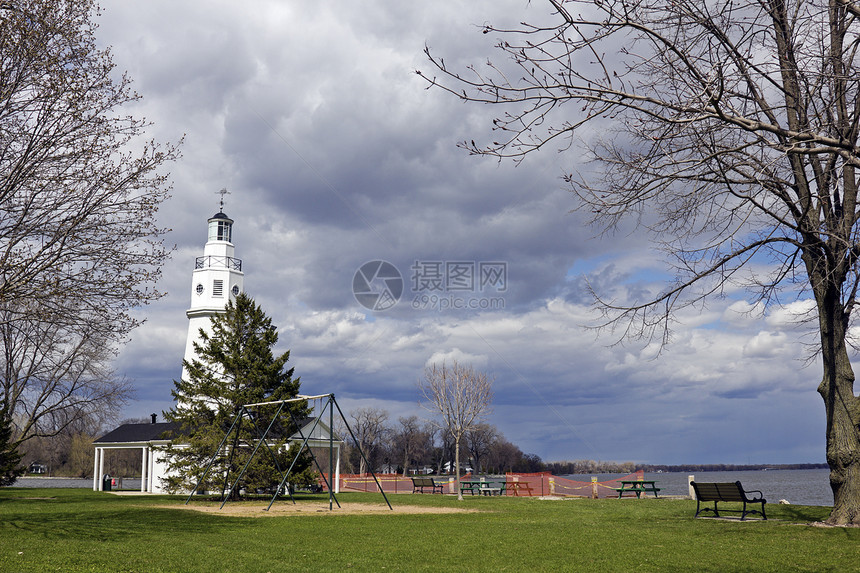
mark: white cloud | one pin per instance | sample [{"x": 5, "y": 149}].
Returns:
[
  {"x": 476, "y": 361},
  {"x": 766, "y": 345},
  {"x": 792, "y": 315}
]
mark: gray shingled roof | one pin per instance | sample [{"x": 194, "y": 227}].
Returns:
[
  {"x": 130, "y": 433},
  {"x": 139, "y": 433}
]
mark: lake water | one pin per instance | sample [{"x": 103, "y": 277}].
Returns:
[
  {"x": 127, "y": 483},
  {"x": 800, "y": 487}
]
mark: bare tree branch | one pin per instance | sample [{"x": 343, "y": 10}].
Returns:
[{"x": 728, "y": 131}]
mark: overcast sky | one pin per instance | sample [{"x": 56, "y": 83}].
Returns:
[{"x": 335, "y": 154}]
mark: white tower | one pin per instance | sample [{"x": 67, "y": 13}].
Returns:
[{"x": 217, "y": 278}]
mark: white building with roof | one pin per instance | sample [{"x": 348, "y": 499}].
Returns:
[
  {"x": 148, "y": 437},
  {"x": 144, "y": 437}
]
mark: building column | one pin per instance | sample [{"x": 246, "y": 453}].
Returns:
[
  {"x": 151, "y": 471},
  {"x": 101, "y": 468},
  {"x": 144, "y": 463},
  {"x": 96, "y": 477}
]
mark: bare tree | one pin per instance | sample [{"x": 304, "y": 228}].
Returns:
[
  {"x": 412, "y": 441},
  {"x": 479, "y": 442},
  {"x": 58, "y": 378},
  {"x": 730, "y": 131},
  {"x": 444, "y": 452},
  {"x": 79, "y": 190},
  {"x": 461, "y": 395},
  {"x": 371, "y": 432},
  {"x": 504, "y": 456},
  {"x": 69, "y": 452}
]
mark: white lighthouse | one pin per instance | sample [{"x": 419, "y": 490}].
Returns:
[{"x": 217, "y": 278}]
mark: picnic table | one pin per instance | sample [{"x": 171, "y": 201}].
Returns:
[
  {"x": 517, "y": 486},
  {"x": 482, "y": 487},
  {"x": 638, "y": 487}
]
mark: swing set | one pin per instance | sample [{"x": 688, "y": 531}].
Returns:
[{"x": 245, "y": 412}]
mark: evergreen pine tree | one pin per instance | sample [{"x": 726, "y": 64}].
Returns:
[
  {"x": 235, "y": 366},
  {"x": 9, "y": 456}
]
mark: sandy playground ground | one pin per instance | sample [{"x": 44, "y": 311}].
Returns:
[{"x": 281, "y": 508}]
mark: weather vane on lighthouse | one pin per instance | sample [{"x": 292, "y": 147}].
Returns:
[{"x": 222, "y": 192}]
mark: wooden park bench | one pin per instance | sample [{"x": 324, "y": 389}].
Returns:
[
  {"x": 419, "y": 483},
  {"x": 732, "y": 492}
]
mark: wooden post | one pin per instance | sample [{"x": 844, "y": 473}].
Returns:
[
  {"x": 691, "y": 490},
  {"x": 593, "y": 487}
]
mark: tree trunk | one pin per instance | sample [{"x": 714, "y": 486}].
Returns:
[
  {"x": 405, "y": 462},
  {"x": 843, "y": 415},
  {"x": 457, "y": 464}
]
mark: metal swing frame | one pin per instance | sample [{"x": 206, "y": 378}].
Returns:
[{"x": 244, "y": 411}]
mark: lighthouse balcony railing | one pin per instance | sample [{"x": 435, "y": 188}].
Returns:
[{"x": 216, "y": 262}]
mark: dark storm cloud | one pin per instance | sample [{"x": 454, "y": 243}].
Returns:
[{"x": 335, "y": 154}]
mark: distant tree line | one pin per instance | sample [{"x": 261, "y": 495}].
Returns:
[
  {"x": 730, "y": 467},
  {"x": 589, "y": 467},
  {"x": 601, "y": 467},
  {"x": 71, "y": 453},
  {"x": 408, "y": 446}
]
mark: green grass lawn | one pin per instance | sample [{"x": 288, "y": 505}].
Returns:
[{"x": 79, "y": 530}]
